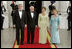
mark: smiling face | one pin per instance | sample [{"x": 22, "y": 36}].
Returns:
[
  {"x": 43, "y": 9},
  {"x": 20, "y": 6},
  {"x": 55, "y": 12},
  {"x": 31, "y": 8}
]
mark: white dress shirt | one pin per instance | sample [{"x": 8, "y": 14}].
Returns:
[
  {"x": 20, "y": 14},
  {"x": 32, "y": 14}
]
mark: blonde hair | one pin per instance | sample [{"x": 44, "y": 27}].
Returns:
[{"x": 55, "y": 10}]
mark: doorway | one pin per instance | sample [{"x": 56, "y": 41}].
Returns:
[{"x": 38, "y": 6}]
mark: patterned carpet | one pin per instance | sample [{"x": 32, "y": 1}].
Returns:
[{"x": 36, "y": 43}]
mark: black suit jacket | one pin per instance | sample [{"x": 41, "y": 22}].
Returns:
[
  {"x": 31, "y": 21},
  {"x": 21, "y": 21}
]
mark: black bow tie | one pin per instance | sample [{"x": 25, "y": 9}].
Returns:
[
  {"x": 20, "y": 10},
  {"x": 32, "y": 11}
]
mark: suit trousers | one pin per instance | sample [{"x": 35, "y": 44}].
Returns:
[
  {"x": 18, "y": 33},
  {"x": 30, "y": 30},
  {"x": 13, "y": 17}
]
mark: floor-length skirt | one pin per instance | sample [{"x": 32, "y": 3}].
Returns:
[{"x": 43, "y": 34}]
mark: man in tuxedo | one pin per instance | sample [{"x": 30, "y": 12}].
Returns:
[
  {"x": 51, "y": 7},
  {"x": 31, "y": 24},
  {"x": 20, "y": 22},
  {"x": 69, "y": 16},
  {"x": 14, "y": 7},
  {"x": 2, "y": 12}
]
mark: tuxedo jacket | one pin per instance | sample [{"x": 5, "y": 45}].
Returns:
[
  {"x": 31, "y": 22},
  {"x": 21, "y": 21}
]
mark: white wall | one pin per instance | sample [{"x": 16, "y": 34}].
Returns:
[
  {"x": 9, "y": 13},
  {"x": 63, "y": 8},
  {"x": 64, "y": 5}
]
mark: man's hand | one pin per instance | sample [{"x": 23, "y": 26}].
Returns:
[
  {"x": 39, "y": 27},
  {"x": 25, "y": 25},
  {"x": 36, "y": 26},
  {"x": 58, "y": 28},
  {"x": 47, "y": 28},
  {"x": 14, "y": 25}
]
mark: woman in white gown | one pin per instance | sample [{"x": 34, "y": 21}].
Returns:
[{"x": 43, "y": 23}]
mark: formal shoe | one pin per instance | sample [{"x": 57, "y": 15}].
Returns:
[
  {"x": 68, "y": 29},
  {"x": 28, "y": 43},
  {"x": 21, "y": 43},
  {"x": 2, "y": 29},
  {"x": 32, "y": 43},
  {"x": 14, "y": 27},
  {"x": 54, "y": 43},
  {"x": 17, "y": 43}
]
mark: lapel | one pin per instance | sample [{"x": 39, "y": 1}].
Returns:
[
  {"x": 33, "y": 15},
  {"x": 19, "y": 15},
  {"x": 30, "y": 14},
  {"x": 22, "y": 14}
]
